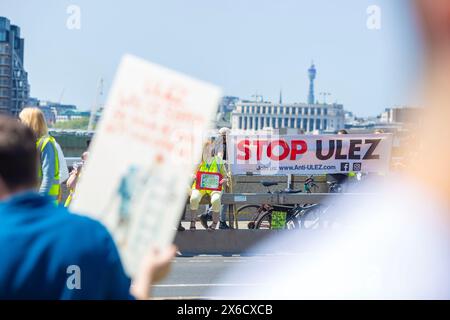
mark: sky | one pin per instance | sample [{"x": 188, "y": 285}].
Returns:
[{"x": 243, "y": 46}]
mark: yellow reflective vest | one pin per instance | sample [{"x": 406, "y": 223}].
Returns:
[
  {"x": 216, "y": 166},
  {"x": 41, "y": 143}
]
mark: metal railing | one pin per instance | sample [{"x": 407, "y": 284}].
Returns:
[{"x": 286, "y": 198}]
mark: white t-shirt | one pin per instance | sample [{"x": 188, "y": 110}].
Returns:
[
  {"x": 394, "y": 245},
  {"x": 63, "y": 170}
]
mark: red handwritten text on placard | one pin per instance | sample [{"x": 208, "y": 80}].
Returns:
[{"x": 156, "y": 117}]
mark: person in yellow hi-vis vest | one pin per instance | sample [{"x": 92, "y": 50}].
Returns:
[
  {"x": 211, "y": 169},
  {"x": 49, "y": 162}
]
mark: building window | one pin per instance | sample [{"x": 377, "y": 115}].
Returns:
[
  {"x": 250, "y": 124},
  {"x": 253, "y": 109},
  {"x": 313, "y": 111},
  {"x": 5, "y": 71},
  {"x": 275, "y": 110},
  {"x": 299, "y": 123},
  {"x": 311, "y": 124},
  {"x": 280, "y": 122},
  {"x": 305, "y": 124},
  {"x": 273, "y": 123},
  {"x": 269, "y": 110},
  {"x": 318, "y": 124},
  {"x": 319, "y": 111},
  {"x": 245, "y": 123},
  {"x": 286, "y": 122},
  {"x": 292, "y": 123},
  {"x": 258, "y": 110},
  {"x": 240, "y": 122},
  {"x": 4, "y": 48},
  {"x": 3, "y": 36},
  {"x": 324, "y": 125},
  {"x": 306, "y": 111},
  {"x": 267, "y": 122},
  {"x": 325, "y": 111},
  {"x": 288, "y": 110},
  {"x": 281, "y": 110},
  {"x": 264, "y": 110},
  {"x": 256, "y": 124}
]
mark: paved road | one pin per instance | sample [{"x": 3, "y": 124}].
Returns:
[{"x": 194, "y": 277}]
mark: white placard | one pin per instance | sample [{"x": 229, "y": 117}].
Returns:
[{"x": 146, "y": 147}]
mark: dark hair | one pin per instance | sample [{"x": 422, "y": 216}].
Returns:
[
  {"x": 18, "y": 154},
  {"x": 342, "y": 131}
]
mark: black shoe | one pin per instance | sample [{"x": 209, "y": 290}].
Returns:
[
  {"x": 180, "y": 228},
  {"x": 223, "y": 225},
  {"x": 204, "y": 221}
]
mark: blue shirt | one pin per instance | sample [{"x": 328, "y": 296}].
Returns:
[{"x": 42, "y": 247}]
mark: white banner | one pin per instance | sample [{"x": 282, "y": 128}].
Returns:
[
  {"x": 309, "y": 154},
  {"x": 146, "y": 147}
]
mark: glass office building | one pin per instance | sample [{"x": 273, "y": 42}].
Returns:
[{"x": 14, "y": 87}]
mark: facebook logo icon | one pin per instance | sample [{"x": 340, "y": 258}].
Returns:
[{"x": 345, "y": 166}]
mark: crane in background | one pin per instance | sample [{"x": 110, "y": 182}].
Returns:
[
  {"x": 96, "y": 105},
  {"x": 61, "y": 95}
]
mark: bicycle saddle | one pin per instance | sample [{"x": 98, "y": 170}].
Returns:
[{"x": 268, "y": 183}]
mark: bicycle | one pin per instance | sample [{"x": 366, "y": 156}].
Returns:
[
  {"x": 289, "y": 215},
  {"x": 312, "y": 216},
  {"x": 334, "y": 187}
]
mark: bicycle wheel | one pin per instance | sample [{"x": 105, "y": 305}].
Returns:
[
  {"x": 292, "y": 222},
  {"x": 310, "y": 217},
  {"x": 264, "y": 221},
  {"x": 250, "y": 212}
]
